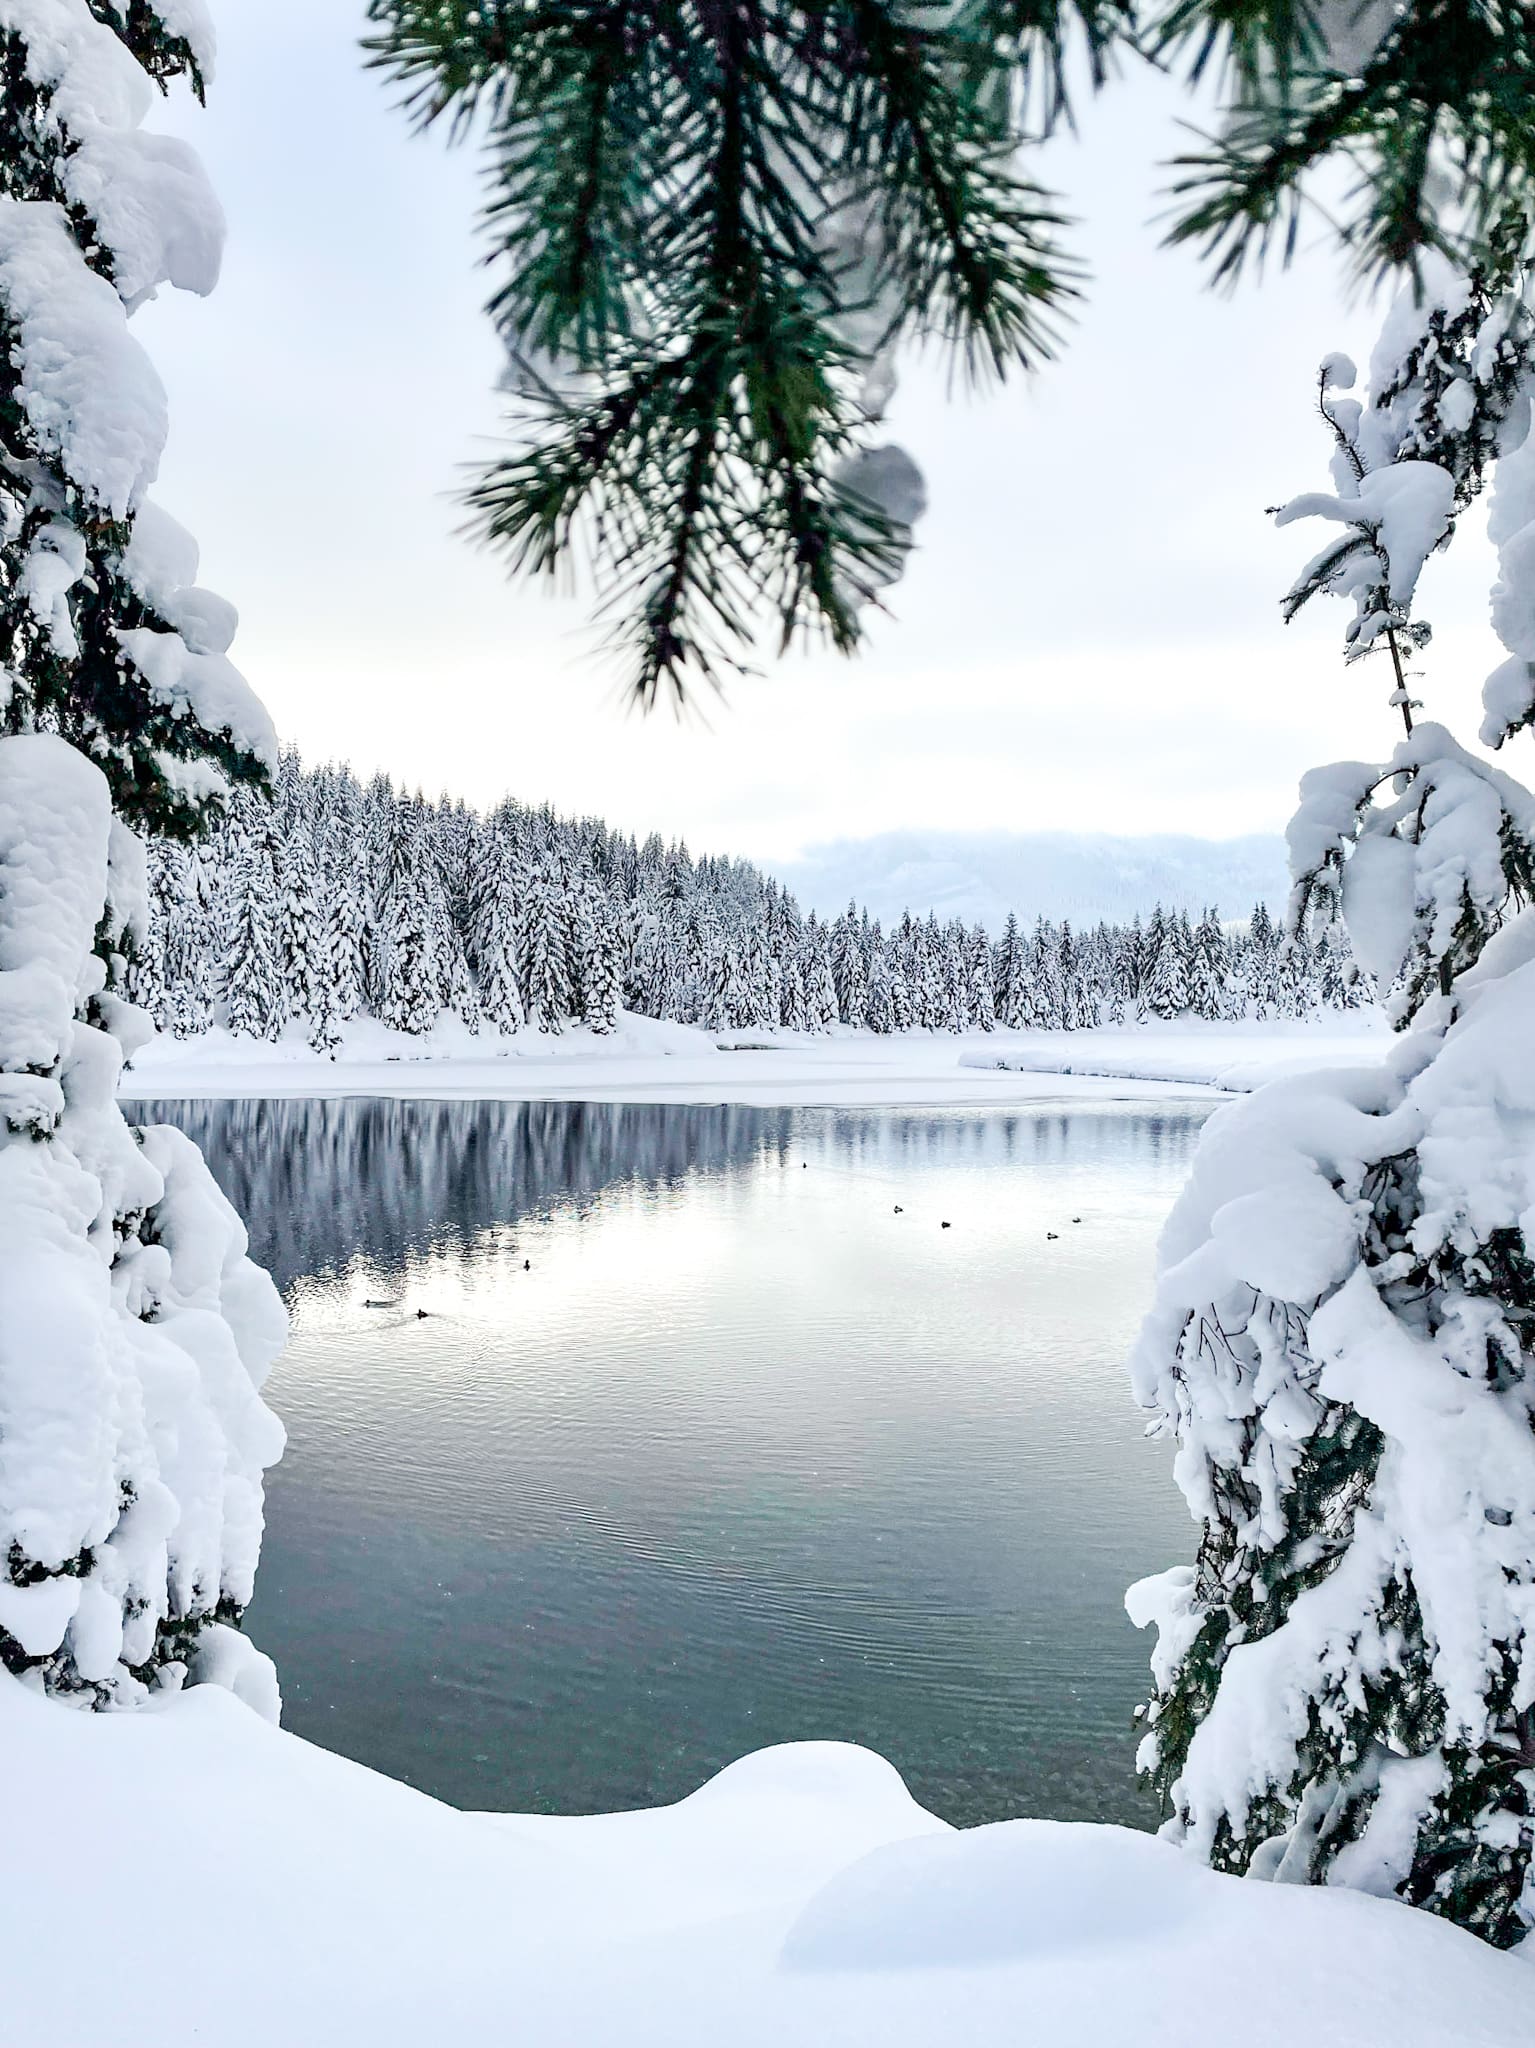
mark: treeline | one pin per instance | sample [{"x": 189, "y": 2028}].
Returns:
[{"x": 332, "y": 899}]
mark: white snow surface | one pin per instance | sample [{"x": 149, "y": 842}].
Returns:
[
  {"x": 135, "y": 1332},
  {"x": 799, "y": 1897},
  {"x": 650, "y": 1061},
  {"x": 1233, "y": 1058},
  {"x": 91, "y": 393},
  {"x": 148, "y": 195}
]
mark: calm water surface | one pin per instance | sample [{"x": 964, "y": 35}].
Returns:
[{"x": 701, "y": 1445}]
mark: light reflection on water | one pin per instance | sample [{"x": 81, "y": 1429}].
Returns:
[{"x": 701, "y": 1445}]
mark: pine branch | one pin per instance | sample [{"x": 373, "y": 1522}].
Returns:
[
  {"x": 839, "y": 177},
  {"x": 693, "y": 204},
  {"x": 1447, "y": 94}
]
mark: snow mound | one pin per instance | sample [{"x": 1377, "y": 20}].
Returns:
[
  {"x": 999, "y": 1894},
  {"x": 799, "y": 1897}
]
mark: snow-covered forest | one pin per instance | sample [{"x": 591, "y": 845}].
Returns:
[
  {"x": 333, "y": 899},
  {"x": 1340, "y": 1348}
]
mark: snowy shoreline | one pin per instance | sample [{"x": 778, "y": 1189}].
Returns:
[
  {"x": 800, "y": 1896},
  {"x": 651, "y": 1061}
]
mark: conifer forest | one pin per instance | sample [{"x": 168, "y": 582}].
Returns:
[
  {"x": 332, "y": 899},
  {"x": 656, "y": 1528}
]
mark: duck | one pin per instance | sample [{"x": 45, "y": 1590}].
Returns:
[
  {"x": 945, "y": 1226},
  {"x": 1052, "y": 1234},
  {"x": 899, "y": 1210}
]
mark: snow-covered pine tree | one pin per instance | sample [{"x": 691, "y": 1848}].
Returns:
[
  {"x": 102, "y": 632},
  {"x": 1337, "y": 981},
  {"x": 903, "y": 1003},
  {"x": 981, "y": 991},
  {"x": 455, "y": 984},
  {"x": 345, "y": 916},
  {"x": 1098, "y": 972},
  {"x": 1345, "y": 1679},
  {"x": 819, "y": 982},
  {"x": 954, "y": 979},
  {"x": 727, "y": 1000},
  {"x": 147, "y": 981},
  {"x": 602, "y": 978},
  {"x": 880, "y": 1007},
  {"x": 793, "y": 1012},
  {"x": 1292, "y": 975},
  {"x": 850, "y": 969},
  {"x": 759, "y": 974},
  {"x": 340, "y": 836},
  {"x": 1162, "y": 986},
  {"x": 1047, "y": 1001},
  {"x": 190, "y": 926},
  {"x": 324, "y": 991},
  {"x": 1209, "y": 971},
  {"x": 1182, "y": 934},
  {"x": 405, "y": 930},
  {"x": 497, "y": 924},
  {"x": 255, "y": 995},
  {"x": 135, "y": 1333},
  {"x": 929, "y": 996},
  {"x": 1011, "y": 978},
  {"x": 1068, "y": 971},
  {"x": 1262, "y": 964},
  {"x": 302, "y": 953},
  {"x": 546, "y": 991},
  {"x": 578, "y": 914},
  {"x": 1129, "y": 983}
]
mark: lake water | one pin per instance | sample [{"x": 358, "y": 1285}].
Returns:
[{"x": 701, "y": 1445}]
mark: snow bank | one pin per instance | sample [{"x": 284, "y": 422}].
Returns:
[
  {"x": 1234, "y": 1058},
  {"x": 801, "y": 1897},
  {"x": 646, "y": 1060}
]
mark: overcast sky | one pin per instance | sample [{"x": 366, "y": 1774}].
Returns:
[{"x": 1088, "y": 637}]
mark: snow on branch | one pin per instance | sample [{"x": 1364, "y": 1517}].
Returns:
[{"x": 136, "y": 1332}]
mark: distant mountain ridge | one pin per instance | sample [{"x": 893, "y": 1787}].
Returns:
[{"x": 1083, "y": 876}]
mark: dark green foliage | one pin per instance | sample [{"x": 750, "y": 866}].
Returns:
[
  {"x": 163, "y": 55},
  {"x": 1472, "y": 1855},
  {"x": 710, "y": 223},
  {"x": 88, "y": 692},
  {"x": 1436, "y": 121}
]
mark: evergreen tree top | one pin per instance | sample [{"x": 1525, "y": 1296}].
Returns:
[
  {"x": 104, "y": 635},
  {"x": 713, "y": 227}
]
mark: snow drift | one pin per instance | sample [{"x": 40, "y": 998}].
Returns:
[{"x": 799, "y": 1897}]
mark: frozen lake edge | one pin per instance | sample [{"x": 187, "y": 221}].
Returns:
[{"x": 651, "y": 1061}]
